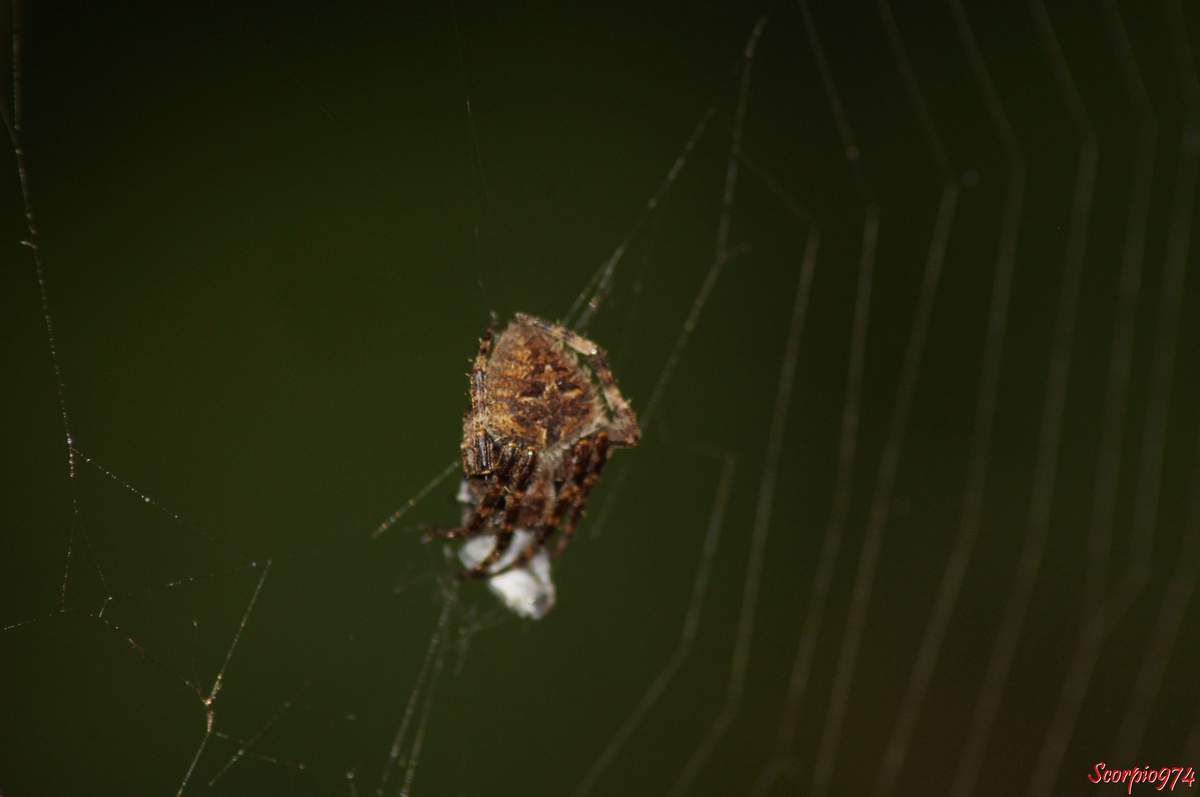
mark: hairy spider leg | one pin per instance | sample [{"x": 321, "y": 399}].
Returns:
[
  {"x": 488, "y": 504},
  {"x": 595, "y": 466},
  {"x": 579, "y": 461},
  {"x": 512, "y": 508},
  {"x": 478, "y": 457},
  {"x": 624, "y": 429}
]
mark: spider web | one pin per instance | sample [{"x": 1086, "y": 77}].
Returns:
[{"x": 900, "y": 295}]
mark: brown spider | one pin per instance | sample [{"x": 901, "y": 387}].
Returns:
[{"x": 538, "y": 433}]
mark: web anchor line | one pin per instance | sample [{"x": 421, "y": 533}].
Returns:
[
  {"x": 1033, "y": 547},
  {"x": 1097, "y": 622},
  {"x": 208, "y": 700},
  {"x": 784, "y": 759},
  {"x": 433, "y": 653},
  {"x": 1148, "y": 681},
  {"x": 683, "y": 648},
  {"x": 898, "y": 422},
  {"x": 972, "y": 513}
]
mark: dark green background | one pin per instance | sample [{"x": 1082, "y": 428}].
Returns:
[{"x": 269, "y": 254}]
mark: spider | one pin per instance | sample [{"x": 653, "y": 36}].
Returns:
[{"x": 545, "y": 414}]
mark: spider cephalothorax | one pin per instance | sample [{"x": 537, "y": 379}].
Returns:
[{"x": 545, "y": 412}]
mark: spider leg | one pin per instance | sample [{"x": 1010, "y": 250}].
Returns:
[
  {"x": 594, "y": 466},
  {"x": 623, "y": 429},
  {"x": 524, "y": 470},
  {"x": 488, "y": 503},
  {"x": 479, "y": 455},
  {"x": 569, "y": 495}
]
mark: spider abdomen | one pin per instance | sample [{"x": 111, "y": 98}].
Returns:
[{"x": 537, "y": 392}]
